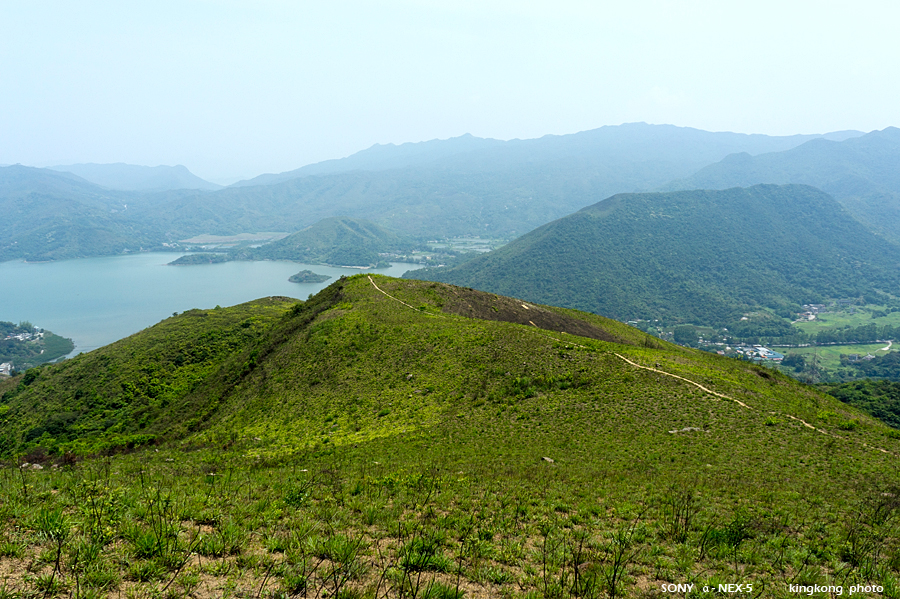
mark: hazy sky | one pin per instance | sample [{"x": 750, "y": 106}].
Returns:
[{"x": 234, "y": 89}]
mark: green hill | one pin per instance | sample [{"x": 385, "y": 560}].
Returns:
[
  {"x": 703, "y": 257},
  {"x": 402, "y": 438},
  {"x": 441, "y": 188},
  {"x": 52, "y": 216},
  {"x": 464, "y": 186},
  {"x": 337, "y": 240},
  {"x": 862, "y": 173}
]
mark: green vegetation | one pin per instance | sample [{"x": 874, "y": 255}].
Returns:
[
  {"x": 200, "y": 258},
  {"x": 878, "y": 398},
  {"x": 701, "y": 257},
  {"x": 340, "y": 241},
  {"x": 861, "y": 174},
  {"x": 438, "y": 189},
  {"x": 860, "y": 319},
  {"x": 416, "y": 439},
  {"x": 25, "y": 347},
  {"x": 308, "y": 276},
  {"x": 58, "y": 216},
  {"x": 825, "y": 363},
  {"x": 122, "y": 394}
]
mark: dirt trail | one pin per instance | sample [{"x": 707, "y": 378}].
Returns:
[
  {"x": 698, "y": 385},
  {"x": 398, "y": 300},
  {"x": 662, "y": 372}
]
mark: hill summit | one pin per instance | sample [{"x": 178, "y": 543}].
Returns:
[
  {"x": 861, "y": 173},
  {"x": 690, "y": 256},
  {"x": 405, "y": 438},
  {"x": 336, "y": 240}
]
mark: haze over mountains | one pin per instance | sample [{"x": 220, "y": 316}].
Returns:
[
  {"x": 862, "y": 173},
  {"x": 131, "y": 177},
  {"x": 462, "y": 186},
  {"x": 681, "y": 147}
]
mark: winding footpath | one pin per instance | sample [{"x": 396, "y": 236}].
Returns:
[{"x": 662, "y": 372}]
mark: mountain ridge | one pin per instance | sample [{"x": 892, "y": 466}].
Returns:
[
  {"x": 637, "y": 141},
  {"x": 379, "y": 410},
  {"x": 132, "y": 177},
  {"x": 691, "y": 256},
  {"x": 861, "y": 173}
]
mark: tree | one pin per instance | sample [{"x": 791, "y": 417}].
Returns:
[{"x": 686, "y": 335}]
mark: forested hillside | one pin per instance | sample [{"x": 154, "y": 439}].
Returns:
[
  {"x": 442, "y": 188},
  {"x": 337, "y": 240},
  {"x": 50, "y": 216},
  {"x": 692, "y": 256},
  {"x": 862, "y": 173}
]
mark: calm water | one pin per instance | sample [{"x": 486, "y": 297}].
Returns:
[{"x": 96, "y": 301}]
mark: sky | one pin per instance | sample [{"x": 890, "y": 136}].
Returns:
[{"x": 235, "y": 89}]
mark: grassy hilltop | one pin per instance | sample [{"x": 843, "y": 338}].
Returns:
[{"x": 394, "y": 438}]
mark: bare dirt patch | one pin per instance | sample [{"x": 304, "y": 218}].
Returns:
[{"x": 487, "y": 306}]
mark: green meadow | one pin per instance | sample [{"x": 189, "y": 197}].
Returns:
[
  {"x": 829, "y": 356},
  {"x": 399, "y": 438},
  {"x": 847, "y": 317}
]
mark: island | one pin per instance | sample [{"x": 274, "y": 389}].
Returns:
[
  {"x": 201, "y": 258},
  {"x": 308, "y": 276}
]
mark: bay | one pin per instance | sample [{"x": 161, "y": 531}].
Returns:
[{"x": 96, "y": 301}]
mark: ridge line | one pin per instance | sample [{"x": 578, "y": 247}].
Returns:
[
  {"x": 636, "y": 365},
  {"x": 398, "y": 300}
]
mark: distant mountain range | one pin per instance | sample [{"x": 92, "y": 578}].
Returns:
[
  {"x": 131, "y": 177},
  {"x": 632, "y": 143},
  {"x": 862, "y": 173},
  {"x": 466, "y": 185},
  {"x": 459, "y": 187},
  {"x": 46, "y": 215},
  {"x": 690, "y": 256}
]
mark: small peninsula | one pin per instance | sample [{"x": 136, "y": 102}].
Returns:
[
  {"x": 24, "y": 345},
  {"x": 202, "y": 258}
]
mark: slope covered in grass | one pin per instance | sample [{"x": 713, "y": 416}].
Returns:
[
  {"x": 373, "y": 357},
  {"x": 126, "y": 393},
  {"x": 399, "y": 438}
]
